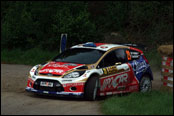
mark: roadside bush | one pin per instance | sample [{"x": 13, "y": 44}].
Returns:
[
  {"x": 76, "y": 25},
  {"x": 39, "y": 24},
  {"x": 28, "y": 24}
]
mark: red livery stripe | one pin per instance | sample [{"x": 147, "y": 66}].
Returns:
[{"x": 99, "y": 44}]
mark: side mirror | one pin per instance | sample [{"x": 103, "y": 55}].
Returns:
[{"x": 118, "y": 63}]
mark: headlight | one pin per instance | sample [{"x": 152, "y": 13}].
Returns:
[
  {"x": 33, "y": 77},
  {"x": 36, "y": 71},
  {"x": 74, "y": 74}
]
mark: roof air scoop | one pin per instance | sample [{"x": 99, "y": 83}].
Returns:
[{"x": 89, "y": 44}]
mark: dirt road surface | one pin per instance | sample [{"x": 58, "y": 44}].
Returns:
[{"x": 15, "y": 100}]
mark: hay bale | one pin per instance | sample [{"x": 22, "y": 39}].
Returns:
[{"x": 166, "y": 50}]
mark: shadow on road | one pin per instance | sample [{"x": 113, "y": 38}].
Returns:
[{"x": 70, "y": 98}]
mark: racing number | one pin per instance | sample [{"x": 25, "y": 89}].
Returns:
[{"x": 128, "y": 55}]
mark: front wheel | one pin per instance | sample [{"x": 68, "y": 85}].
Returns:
[
  {"x": 91, "y": 88},
  {"x": 145, "y": 84}
]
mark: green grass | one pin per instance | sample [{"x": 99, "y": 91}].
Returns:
[
  {"x": 152, "y": 103},
  {"x": 30, "y": 57}
]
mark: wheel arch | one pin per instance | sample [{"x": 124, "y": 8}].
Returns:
[
  {"x": 92, "y": 75},
  {"x": 147, "y": 74}
]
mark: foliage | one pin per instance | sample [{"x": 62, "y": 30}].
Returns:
[
  {"x": 141, "y": 22},
  {"x": 30, "y": 24},
  {"x": 151, "y": 23},
  {"x": 117, "y": 15},
  {"x": 39, "y": 24},
  {"x": 76, "y": 25}
]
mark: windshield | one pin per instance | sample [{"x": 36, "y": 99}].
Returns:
[{"x": 79, "y": 55}]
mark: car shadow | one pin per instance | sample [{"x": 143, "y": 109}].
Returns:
[{"x": 70, "y": 98}]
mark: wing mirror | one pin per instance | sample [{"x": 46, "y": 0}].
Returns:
[{"x": 118, "y": 63}]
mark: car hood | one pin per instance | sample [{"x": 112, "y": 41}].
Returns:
[{"x": 58, "y": 68}]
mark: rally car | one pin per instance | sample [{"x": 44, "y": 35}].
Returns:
[{"x": 92, "y": 69}]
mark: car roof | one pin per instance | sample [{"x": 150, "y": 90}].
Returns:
[{"x": 99, "y": 46}]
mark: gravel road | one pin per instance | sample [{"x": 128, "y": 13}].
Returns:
[{"x": 16, "y": 101}]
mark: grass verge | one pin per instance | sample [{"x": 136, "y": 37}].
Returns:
[
  {"x": 30, "y": 57},
  {"x": 152, "y": 103}
]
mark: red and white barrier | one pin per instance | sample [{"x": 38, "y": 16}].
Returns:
[
  {"x": 168, "y": 78},
  {"x": 167, "y": 71},
  {"x": 167, "y": 84},
  {"x": 166, "y": 51}
]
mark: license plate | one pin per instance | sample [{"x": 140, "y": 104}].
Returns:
[{"x": 46, "y": 84}]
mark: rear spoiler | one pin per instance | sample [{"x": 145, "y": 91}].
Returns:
[{"x": 139, "y": 46}]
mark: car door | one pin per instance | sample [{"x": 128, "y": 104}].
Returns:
[{"x": 116, "y": 72}]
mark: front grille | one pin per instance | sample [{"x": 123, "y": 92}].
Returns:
[
  {"x": 49, "y": 74},
  {"x": 57, "y": 87}
]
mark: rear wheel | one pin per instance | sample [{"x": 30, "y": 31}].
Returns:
[
  {"x": 145, "y": 84},
  {"x": 91, "y": 88}
]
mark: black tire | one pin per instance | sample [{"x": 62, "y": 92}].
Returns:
[
  {"x": 145, "y": 84},
  {"x": 91, "y": 88}
]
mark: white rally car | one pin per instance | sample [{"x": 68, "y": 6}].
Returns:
[{"x": 92, "y": 69}]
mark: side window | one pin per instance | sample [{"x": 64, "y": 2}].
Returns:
[
  {"x": 113, "y": 57},
  {"x": 120, "y": 55},
  {"x": 108, "y": 60}
]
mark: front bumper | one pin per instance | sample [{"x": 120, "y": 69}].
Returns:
[{"x": 77, "y": 94}]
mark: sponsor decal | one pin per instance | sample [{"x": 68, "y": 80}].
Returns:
[
  {"x": 57, "y": 65},
  {"x": 139, "y": 67},
  {"x": 134, "y": 54},
  {"x": 70, "y": 64},
  {"x": 45, "y": 92},
  {"x": 134, "y": 87},
  {"x": 105, "y": 71},
  {"x": 66, "y": 80},
  {"x": 114, "y": 81},
  {"x": 109, "y": 70},
  {"x": 73, "y": 84},
  {"x": 51, "y": 71}
]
